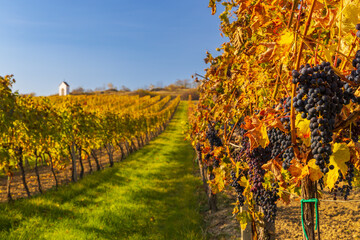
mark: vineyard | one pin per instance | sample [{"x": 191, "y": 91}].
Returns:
[
  {"x": 55, "y": 135},
  {"x": 278, "y": 116},
  {"x": 148, "y": 195},
  {"x": 269, "y": 151}
]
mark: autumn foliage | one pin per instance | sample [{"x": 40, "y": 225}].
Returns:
[{"x": 247, "y": 86}]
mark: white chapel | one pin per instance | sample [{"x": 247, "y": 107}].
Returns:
[{"x": 64, "y": 89}]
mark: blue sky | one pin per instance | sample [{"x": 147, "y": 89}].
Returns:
[{"x": 90, "y": 43}]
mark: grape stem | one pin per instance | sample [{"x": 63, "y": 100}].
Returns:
[{"x": 351, "y": 118}]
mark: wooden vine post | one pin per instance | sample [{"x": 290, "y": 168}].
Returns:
[{"x": 308, "y": 191}]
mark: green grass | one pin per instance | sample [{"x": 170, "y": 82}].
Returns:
[{"x": 151, "y": 195}]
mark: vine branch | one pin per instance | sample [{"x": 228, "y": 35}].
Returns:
[{"x": 293, "y": 90}]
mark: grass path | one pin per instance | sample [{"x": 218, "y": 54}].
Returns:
[{"x": 151, "y": 195}]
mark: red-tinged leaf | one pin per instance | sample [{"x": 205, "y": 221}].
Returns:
[
  {"x": 258, "y": 137},
  {"x": 276, "y": 123},
  {"x": 275, "y": 168},
  {"x": 295, "y": 169},
  {"x": 257, "y": 132},
  {"x": 251, "y": 122},
  {"x": 284, "y": 196}
]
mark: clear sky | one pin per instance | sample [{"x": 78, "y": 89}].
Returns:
[{"x": 90, "y": 43}]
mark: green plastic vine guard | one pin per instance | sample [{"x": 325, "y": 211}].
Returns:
[{"x": 315, "y": 200}]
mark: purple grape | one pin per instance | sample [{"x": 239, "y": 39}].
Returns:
[{"x": 357, "y": 26}]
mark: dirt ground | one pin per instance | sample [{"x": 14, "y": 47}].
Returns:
[{"x": 338, "y": 220}]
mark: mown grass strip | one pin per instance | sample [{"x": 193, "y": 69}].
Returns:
[{"x": 151, "y": 195}]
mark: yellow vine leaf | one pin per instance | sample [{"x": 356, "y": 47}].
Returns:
[
  {"x": 351, "y": 15},
  {"x": 244, "y": 218},
  {"x": 341, "y": 155},
  {"x": 243, "y": 182},
  {"x": 329, "y": 53},
  {"x": 286, "y": 38},
  {"x": 212, "y": 5},
  {"x": 315, "y": 172},
  {"x": 312, "y": 170},
  {"x": 219, "y": 180},
  {"x": 303, "y": 129}
]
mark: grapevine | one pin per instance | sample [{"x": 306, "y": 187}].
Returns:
[
  {"x": 63, "y": 130},
  {"x": 282, "y": 101}
]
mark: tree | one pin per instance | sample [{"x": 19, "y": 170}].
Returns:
[
  {"x": 125, "y": 89},
  {"x": 78, "y": 90},
  {"x": 185, "y": 83}
]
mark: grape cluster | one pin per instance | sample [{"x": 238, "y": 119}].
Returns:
[
  {"x": 238, "y": 188},
  {"x": 268, "y": 198},
  {"x": 346, "y": 188},
  {"x": 280, "y": 142},
  {"x": 212, "y": 136},
  {"x": 354, "y": 75},
  {"x": 320, "y": 97},
  {"x": 358, "y": 28},
  {"x": 265, "y": 198},
  {"x": 349, "y": 178},
  {"x": 281, "y": 146}
]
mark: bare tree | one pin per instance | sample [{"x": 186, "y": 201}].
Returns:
[
  {"x": 185, "y": 83},
  {"x": 78, "y": 90},
  {"x": 125, "y": 89}
]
